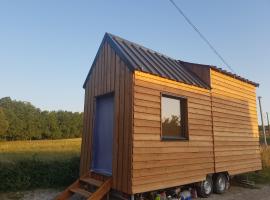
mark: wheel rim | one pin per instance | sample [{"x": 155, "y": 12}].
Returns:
[
  {"x": 221, "y": 184},
  {"x": 207, "y": 187}
]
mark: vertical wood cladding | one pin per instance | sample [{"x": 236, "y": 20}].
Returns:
[
  {"x": 161, "y": 164},
  {"x": 110, "y": 75},
  {"x": 235, "y": 125}
]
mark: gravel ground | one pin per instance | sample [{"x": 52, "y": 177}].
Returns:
[
  {"x": 40, "y": 194},
  {"x": 240, "y": 193},
  {"x": 235, "y": 193}
]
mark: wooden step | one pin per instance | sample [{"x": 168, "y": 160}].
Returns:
[
  {"x": 80, "y": 192},
  {"x": 102, "y": 190},
  {"x": 91, "y": 181},
  {"x": 103, "y": 184}
]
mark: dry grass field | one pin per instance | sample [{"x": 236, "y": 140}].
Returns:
[
  {"x": 263, "y": 176},
  {"x": 265, "y": 153},
  {"x": 39, "y": 149},
  {"x": 55, "y": 169},
  {"x": 23, "y": 164}
]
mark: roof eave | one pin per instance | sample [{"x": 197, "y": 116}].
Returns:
[
  {"x": 95, "y": 59},
  {"x": 234, "y": 76}
]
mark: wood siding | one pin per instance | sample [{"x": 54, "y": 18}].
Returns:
[
  {"x": 161, "y": 164},
  {"x": 222, "y": 124},
  {"x": 235, "y": 124},
  {"x": 110, "y": 75}
]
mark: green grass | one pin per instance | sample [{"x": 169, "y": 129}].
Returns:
[
  {"x": 38, "y": 164},
  {"x": 261, "y": 177}
]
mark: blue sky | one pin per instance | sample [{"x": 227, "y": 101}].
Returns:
[{"x": 47, "y": 47}]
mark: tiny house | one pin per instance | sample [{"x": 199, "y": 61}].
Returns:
[{"x": 152, "y": 122}]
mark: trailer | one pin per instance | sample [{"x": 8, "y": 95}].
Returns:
[{"x": 152, "y": 122}]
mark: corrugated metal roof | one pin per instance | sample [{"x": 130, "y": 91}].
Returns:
[{"x": 146, "y": 60}]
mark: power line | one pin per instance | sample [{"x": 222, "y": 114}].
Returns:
[{"x": 202, "y": 36}]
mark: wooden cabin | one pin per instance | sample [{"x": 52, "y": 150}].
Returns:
[{"x": 152, "y": 122}]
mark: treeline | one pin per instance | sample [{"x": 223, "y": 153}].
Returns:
[{"x": 22, "y": 121}]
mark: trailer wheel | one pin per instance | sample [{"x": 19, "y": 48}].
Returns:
[
  {"x": 205, "y": 188},
  {"x": 220, "y": 183}
]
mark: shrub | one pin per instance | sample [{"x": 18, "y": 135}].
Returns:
[{"x": 28, "y": 174}]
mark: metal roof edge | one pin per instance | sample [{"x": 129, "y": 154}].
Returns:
[
  {"x": 142, "y": 46},
  {"x": 95, "y": 59},
  {"x": 113, "y": 42},
  {"x": 223, "y": 71},
  {"x": 119, "y": 51},
  {"x": 234, "y": 76}
]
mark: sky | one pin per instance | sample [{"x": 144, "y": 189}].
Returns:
[{"x": 47, "y": 47}]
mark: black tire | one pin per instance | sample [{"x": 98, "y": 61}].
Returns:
[
  {"x": 221, "y": 183},
  {"x": 205, "y": 188}
]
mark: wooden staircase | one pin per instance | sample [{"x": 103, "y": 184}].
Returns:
[{"x": 90, "y": 186}]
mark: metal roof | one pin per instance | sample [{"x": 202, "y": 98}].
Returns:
[
  {"x": 234, "y": 76},
  {"x": 146, "y": 60},
  {"x": 221, "y": 71}
]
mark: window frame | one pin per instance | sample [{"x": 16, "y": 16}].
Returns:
[{"x": 184, "y": 115}]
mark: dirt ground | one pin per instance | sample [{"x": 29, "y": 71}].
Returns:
[{"x": 235, "y": 193}]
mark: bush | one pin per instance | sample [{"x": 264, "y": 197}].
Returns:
[{"x": 29, "y": 174}]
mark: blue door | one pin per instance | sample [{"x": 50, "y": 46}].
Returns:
[{"x": 103, "y": 135}]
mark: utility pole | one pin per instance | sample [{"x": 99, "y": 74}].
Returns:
[
  {"x": 268, "y": 123},
  {"x": 265, "y": 141}
]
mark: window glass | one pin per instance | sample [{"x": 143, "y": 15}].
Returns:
[{"x": 173, "y": 111}]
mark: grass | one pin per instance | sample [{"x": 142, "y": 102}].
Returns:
[
  {"x": 263, "y": 176},
  {"x": 38, "y": 164},
  {"x": 55, "y": 163},
  {"x": 265, "y": 154},
  {"x": 46, "y": 150}
]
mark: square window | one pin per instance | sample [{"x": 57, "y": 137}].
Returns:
[{"x": 174, "y": 117}]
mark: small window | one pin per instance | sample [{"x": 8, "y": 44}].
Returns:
[{"x": 174, "y": 117}]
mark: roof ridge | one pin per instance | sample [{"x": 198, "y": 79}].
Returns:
[
  {"x": 140, "y": 58},
  {"x": 141, "y": 46},
  {"x": 146, "y": 62}
]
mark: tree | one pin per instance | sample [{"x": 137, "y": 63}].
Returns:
[
  {"x": 3, "y": 124},
  {"x": 26, "y": 122},
  {"x": 171, "y": 126}
]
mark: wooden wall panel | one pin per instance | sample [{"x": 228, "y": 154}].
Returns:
[
  {"x": 161, "y": 164},
  {"x": 235, "y": 125},
  {"x": 110, "y": 74}
]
